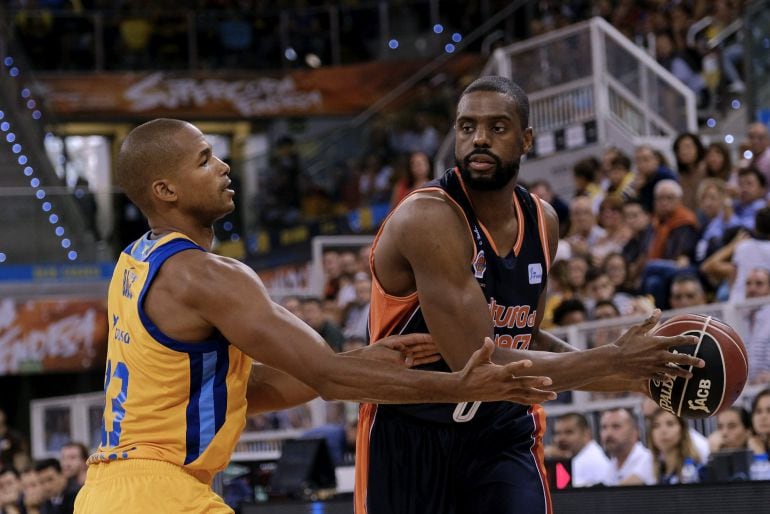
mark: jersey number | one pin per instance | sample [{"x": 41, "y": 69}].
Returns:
[
  {"x": 465, "y": 413},
  {"x": 114, "y": 410}
]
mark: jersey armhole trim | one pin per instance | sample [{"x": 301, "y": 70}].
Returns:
[
  {"x": 543, "y": 229},
  {"x": 156, "y": 260}
]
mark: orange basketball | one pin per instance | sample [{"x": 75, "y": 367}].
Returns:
[{"x": 712, "y": 388}]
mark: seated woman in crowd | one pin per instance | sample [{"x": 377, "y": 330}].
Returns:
[
  {"x": 670, "y": 443},
  {"x": 716, "y": 215},
  {"x": 760, "y": 421},
  {"x": 733, "y": 430}
]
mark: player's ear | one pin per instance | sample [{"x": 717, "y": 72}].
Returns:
[
  {"x": 164, "y": 190},
  {"x": 528, "y": 138}
]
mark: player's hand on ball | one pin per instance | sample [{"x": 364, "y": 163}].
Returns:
[
  {"x": 641, "y": 355},
  {"x": 503, "y": 383}
]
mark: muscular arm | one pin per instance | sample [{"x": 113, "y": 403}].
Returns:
[
  {"x": 452, "y": 302},
  {"x": 271, "y": 390},
  {"x": 224, "y": 294}
]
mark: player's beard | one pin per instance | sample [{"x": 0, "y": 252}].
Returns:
[{"x": 503, "y": 174}]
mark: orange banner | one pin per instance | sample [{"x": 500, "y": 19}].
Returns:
[
  {"x": 39, "y": 336},
  {"x": 341, "y": 90}
]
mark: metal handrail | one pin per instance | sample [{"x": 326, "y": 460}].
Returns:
[
  {"x": 696, "y": 28},
  {"x": 655, "y": 66},
  {"x": 724, "y": 34}
]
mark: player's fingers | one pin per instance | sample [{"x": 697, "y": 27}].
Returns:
[
  {"x": 424, "y": 355},
  {"x": 419, "y": 361},
  {"x": 409, "y": 340},
  {"x": 650, "y": 322},
  {"x": 530, "y": 382},
  {"x": 685, "y": 360},
  {"x": 517, "y": 368},
  {"x": 669, "y": 341},
  {"x": 674, "y": 371},
  {"x": 393, "y": 344},
  {"x": 422, "y": 349},
  {"x": 532, "y": 395}
]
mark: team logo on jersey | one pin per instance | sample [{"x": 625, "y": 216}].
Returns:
[
  {"x": 535, "y": 273},
  {"x": 129, "y": 277},
  {"x": 480, "y": 265}
]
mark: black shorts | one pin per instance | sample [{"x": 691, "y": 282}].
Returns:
[{"x": 490, "y": 466}]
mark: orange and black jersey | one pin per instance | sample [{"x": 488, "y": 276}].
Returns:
[{"x": 512, "y": 280}]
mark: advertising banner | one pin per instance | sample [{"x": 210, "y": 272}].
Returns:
[
  {"x": 48, "y": 335},
  {"x": 329, "y": 91}
]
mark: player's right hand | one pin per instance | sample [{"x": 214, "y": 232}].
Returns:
[
  {"x": 484, "y": 381},
  {"x": 644, "y": 356}
]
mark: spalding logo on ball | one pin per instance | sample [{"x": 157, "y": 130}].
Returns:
[{"x": 712, "y": 388}]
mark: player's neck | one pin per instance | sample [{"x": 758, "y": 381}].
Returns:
[
  {"x": 202, "y": 235},
  {"x": 494, "y": 208}
]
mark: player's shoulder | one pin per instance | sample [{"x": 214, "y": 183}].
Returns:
[
  {"x": 198, "y": 274},
  {"x": 424, "y": 209}
]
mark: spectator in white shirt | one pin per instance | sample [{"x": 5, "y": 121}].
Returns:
[
  {"x": 573, "y": 440},
  {"x": 758, "y": 321},
  {"x": 630, "y": 461}
]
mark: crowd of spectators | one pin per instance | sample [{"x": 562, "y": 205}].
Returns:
[
  {"x": 641, "y": 233},
  {"x": 627, "y": 450},
  {"x": 47, "y": 486}
]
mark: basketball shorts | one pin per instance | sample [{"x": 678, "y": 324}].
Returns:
[
  {"x": 494, "y": 466},
  {"x": 145, "y": 486}
]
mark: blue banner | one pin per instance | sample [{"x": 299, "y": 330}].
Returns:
[{"x": 56, "y": 272}]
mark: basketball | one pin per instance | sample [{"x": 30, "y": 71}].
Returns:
[{"x": 715, "y": 386}]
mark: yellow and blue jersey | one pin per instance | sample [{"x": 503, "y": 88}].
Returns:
[{"x": 167, "y": 400}]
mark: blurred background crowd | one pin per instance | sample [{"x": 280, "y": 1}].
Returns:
[{"x": 683, "y": 225}]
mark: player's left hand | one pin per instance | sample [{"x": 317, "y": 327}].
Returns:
[{"x": 407, "y": 350}]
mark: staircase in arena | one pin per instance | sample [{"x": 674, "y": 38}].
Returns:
[
  {"x": 589, "y": 87},
  {"x": 40, "y": 219}
]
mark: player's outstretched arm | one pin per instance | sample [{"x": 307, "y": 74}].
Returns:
[
  {"x": 229, "y": 296},
  {"x": 457, "y": 313},
  {"x": 270, "y": 389}
]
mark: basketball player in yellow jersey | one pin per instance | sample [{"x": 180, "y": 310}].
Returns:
[{"x": 185, "y": 325}]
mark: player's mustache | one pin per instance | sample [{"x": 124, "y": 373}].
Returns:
[{"x": 482, "y": 151}]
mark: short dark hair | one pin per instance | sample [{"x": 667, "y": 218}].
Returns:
[
  {"x": 586, "y": 168},
  {"x": 579, "y": 418},
  {"x": 631, "y": 414},
  {"x": 148, "y": 152},
  {"x": 567, "y": 306},
  {"x": 621, "y": 161},
  {"x": 686, "y": 277},
  {"x": 506, "y": 87},
  {"x": 602, "y": 303},
  {"x": 752, "y": 170},
  {"x": 48, "y": 463},
  {"x": 312, "y": 299},
  {"x": 9, "y": 469},
  {"x": 593, "y": 273},
  {"x": 634, "y": 201},
  {"x": 81, "y": 448}
]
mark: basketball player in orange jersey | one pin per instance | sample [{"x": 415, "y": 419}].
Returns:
[
  {"x": 184, "y": 327},
  {"x": 464, "y": 257}
]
